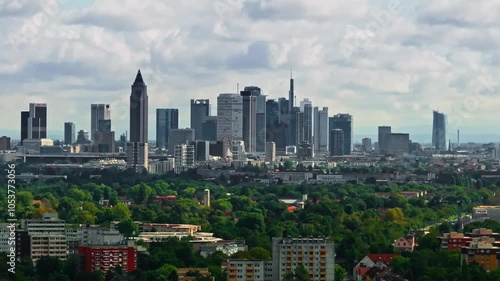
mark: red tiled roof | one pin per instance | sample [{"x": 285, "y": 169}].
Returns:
[{"x": 385, "y": 258}]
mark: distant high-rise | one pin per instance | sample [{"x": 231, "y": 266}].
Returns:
[
  {"x": 275, "y": 129},
  {"x": 137, "y": 149},
  {"x": 4, "y": 143},
  {"x": 304, "y": 123},
  {"x": 321, "y": 129},
  {"x": 139, "y": 110},
  {"x": 180, "y": 136},
  {"x": 69, "y": 133},
  {"x": 345, "y": 123},
  {"x": 98, "y": 112},
  {"x": 200, "y": 110},
  {"x": 249, "y": 120},
  {"x": 337, "y": 144},
  {"x": 34, "y": 122},
  {"x": 254, "y": 119},
  {"x": 209, "y": 129},
  {"x": 366, "y": 144},
  {"x": 25, "y": 115},
  {"x": 439, "y": 136},
  {"x": 291, "y": 94},
  {"x": 383, "y": 135},
  {"x": 229, "y": 120},
  {"x": 166, "y": 120},
  {"x": 398, "y": 144}
]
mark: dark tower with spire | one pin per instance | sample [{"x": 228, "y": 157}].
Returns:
[
  {"x": 137, "y": 149},
  {"x": 139, "y": 110}
]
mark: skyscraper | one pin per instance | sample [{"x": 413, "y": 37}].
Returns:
[
  {"x": 139, "y": 110},
  {"x": 249, "y": 120},
  {"x": 337, "y": 144},
  {"x": 344, "y": 122},
  {"x": 25, "y": 115},
  {"x": 275, "y": 129},
  {"x": 304, "y": 123},
  {"x": 98, "y": 112},
  {"x": 383, "y": 137},
  {"x": 439, "y": 131},
  {"x": 254, "y": 119},
  {"x": 200, "y": 110},
  {"x": 137, "y": 149},
  {"x": 229, "y": 119},
  {"x": 398, "y": 144},
  {"x": 321, "y": 129},
  {"x": 178, "y": 137},
  {"x": 34, "y": 122},
  {"x": 69, "y": 133},
  {"x": 291, "y": 94},
  {"x": 166, "y": 120}
]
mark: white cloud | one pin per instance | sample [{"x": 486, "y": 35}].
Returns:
[{"x": 197, "y": 49}]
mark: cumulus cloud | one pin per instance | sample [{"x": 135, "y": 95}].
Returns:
[{"x": 399, "y": 68}]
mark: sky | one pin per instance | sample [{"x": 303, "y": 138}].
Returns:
[{"x": 384, "y": 62}]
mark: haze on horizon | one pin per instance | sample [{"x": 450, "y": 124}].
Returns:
[{"x": 412, "y": 59}]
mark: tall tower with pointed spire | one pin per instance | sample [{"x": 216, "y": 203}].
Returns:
[
  {"x": 137, "y": 149},
  {"x": 139, "y": 110}
]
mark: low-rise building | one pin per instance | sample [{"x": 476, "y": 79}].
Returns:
[
  {"x": 405, "y": 243},
  {"x": 482, "y": 251}
]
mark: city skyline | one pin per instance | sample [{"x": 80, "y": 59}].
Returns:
[{"x": 397, "y": 75}]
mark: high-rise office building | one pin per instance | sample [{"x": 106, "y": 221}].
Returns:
[
  {"x": 398, "y": 144},
  {"x": 69, "y": 133},
  {"x": 25, "y": 115},
  {"x": 291, "y": 94},
  {"x": 184, "y": 157},
  {"x": 98, "y": 112},
  {"x": 138, "y": 146},
  {"x": 337, "y": 144},
  {"x": 201, "y": 150},
  {"x": 275, "y": 129},
  {"x": 180, "y": 136},
  {"x": 139, "y": 110},
  {"x": 366, "y": 145},
  {"x": 4, "y": 143},
  {"x": 254, "y": 119},
  {"x": 439, "y": 135},
  {"x": 34, "y": 122},
  {"x": 229, "y": 120},
  {"x": 321, "y": 134},
  {"x": 83, "y": 137},
  {"x": 167, "y": 119},
  {"x": 209, "y": 129},
  {"x": 249, "y": 120},
  {"x": 383, "y": 135},
  {"x": 345, "y": 123},
  {"x": 304, "y": 123},
  {"x": 200, "y": 110}
]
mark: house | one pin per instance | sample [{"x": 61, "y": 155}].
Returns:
[
  {"x": 365, "y": 267},
  {"x": 405, "y": 243}
]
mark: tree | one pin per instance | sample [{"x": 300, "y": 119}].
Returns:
[
  {"x": 259, "y": 253},
  {"x": 128, "y": 228},
  {"x": 340, "y": 273}
]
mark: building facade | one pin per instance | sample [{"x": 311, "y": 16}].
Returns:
[
  {"x": 34, "y": 122},
  {"x": 229, "y": 120},
  {"x": 344, "y": 122},
  {"x": 398, "y": 144},
  {"x": 270, "y": 152},
  {"x": 383, "y": 138},
  {"x": 439, "y": 136},
  {"x": 167, "y": 119},
  {"x": 138, "y": 146},
  {"x": 180, "y": 136},
  {"x": 200, "y": 110},
  {"x": 5, "y": 143},
  {"x": 106, "y": 258},
  {"x": 321, "y": 134},
  {"x": 98, "y": 112},
  {"x": 337, "y": 145},
  {"x": 69, "y": 133}
]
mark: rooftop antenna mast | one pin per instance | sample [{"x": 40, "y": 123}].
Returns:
[{"x": 237, "y": 88}]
